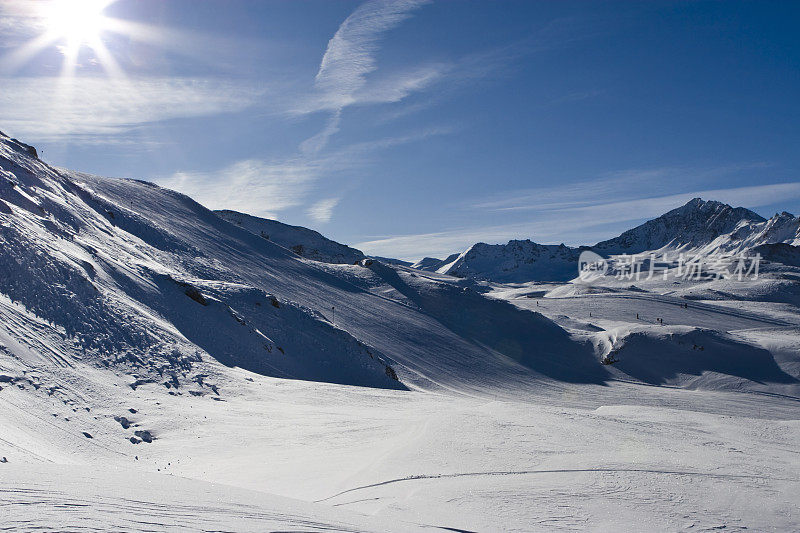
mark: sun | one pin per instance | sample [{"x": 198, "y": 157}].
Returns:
[
  {"x": 81, "y": 31},
  {"x": 77, "y": 22}
]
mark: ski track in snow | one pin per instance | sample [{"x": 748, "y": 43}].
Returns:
[{"x": 559, "y": 471}]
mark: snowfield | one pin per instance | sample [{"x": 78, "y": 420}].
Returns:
[{"x": 164, "y": 369}]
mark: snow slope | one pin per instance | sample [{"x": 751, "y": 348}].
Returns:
[
  {"x": 125, "y": 290},
  {"x": 302, "y": 241},
  {"x": 70, "y": 498},
  {"x": 783, "y": 253}
]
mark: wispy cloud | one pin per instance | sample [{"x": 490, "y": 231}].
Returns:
[
  {"x": 438, "y": 244},
  {"x": 322, "y": 211},
  {"x": 581, "y": 221},
  {"x": 612, "y": 186},
  {"x": 252, "y": 186},
  {"x": 96, "y": 108},
  {"x": 350, "y": 57},
  {"x": 317, "y": 142},
  {"x": 339, "y": 86},
  {"x": 267, "y": 187},
  {"x": 390, "y": 88},
  {"x": 624, "y": 210}
]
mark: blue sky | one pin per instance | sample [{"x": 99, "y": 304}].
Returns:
[{"x": 413, "y": 128}]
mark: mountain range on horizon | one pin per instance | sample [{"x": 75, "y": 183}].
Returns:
[{"x": 702, "y": 227}]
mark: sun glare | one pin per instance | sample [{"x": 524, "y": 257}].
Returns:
[
  {"x": 82, "y": 32},
  {"x": 76, "y": 21}
]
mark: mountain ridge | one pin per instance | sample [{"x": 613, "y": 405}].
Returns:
[
  {"x": 704, "y": 227},
  {"x": 303, "y": 241}
]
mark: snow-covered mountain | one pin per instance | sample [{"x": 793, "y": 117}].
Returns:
[
  {"x": 302, "y": 241},
  {"x": 139, "y": 277},
  {"x": 700, "y": 227},
  {"x": 515, "y": 261},
  {"x": 692, "y": 225},
  {"x": 782, "y": 228},
  {"x": 433, "y": 264}
]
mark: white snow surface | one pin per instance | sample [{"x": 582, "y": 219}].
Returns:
[{"x": 162, "y": 369}]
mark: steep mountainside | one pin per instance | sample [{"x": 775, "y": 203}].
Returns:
[
  {"x": 152, "y": 295},
  {"x": 302, "y": 241}
]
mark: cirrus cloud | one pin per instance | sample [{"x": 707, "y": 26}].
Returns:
[{"x": 94, "y": 108}]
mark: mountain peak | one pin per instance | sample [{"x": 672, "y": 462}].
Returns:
[
  {"x": 700, "y": 204},
  {"x": 696, "y": 202},
  {"x": 696, "y": 223}
]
